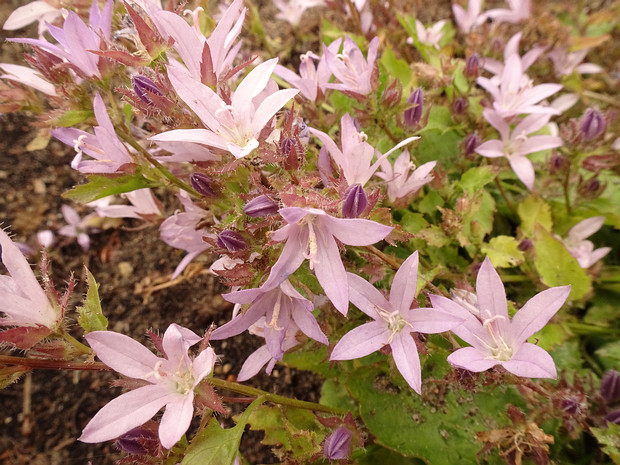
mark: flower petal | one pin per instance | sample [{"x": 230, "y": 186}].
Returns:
[
  {"x": 124, "y": 413},
  {"x": 490, "y": 292},
  {"x": 365, "y": 296},
  {"x": 472, "y": 359},
  {"x": 176, "y": 419},
  {"x": 405, "y": 283},
  {"x": 405, "y": 354},
  {"x": 531, "y": 361},
  {"x": 361, "y": 341},
  {"x": 537, "y": 312}
]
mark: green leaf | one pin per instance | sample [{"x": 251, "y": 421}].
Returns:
[
  {"x": 396, "y": 67},
  {"x": 609, "y": 438},
  {"x": 532, "y": 211},
  {"x": 71, "y": 118},
  {"x": 503, "y": 251},
  {"x": 439, "y": 118},
  {"x": 217, "y": 446},
  {"x": 476, "y": 178},
  {"x": 312, "y": 357},
  {"x": 609, "y": 355},
  {"x": 557, "y": 267},
  {"x": 103, "y": 186},
  {"x": 438, "y": 427},
  {"x": 10, "y": 374},
  {"x": 412, "y": 222},
  {"x": 442, "y": 146},
  {"x": 91, "y": 316}
]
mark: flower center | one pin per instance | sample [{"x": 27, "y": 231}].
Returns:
[
  {"x": 499, "y": 349},
  {"x": 395, "y": 322}
]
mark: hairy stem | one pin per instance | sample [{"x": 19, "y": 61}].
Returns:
[{"x": 44, "y": 364}]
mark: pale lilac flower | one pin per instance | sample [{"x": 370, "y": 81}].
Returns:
[
  {"x": 311, "y": 234},
  {"x": 28, "y": 77},
  {"x": 143, "y": 205},
  {"x": 40, "y": 10},
  {"x": 262, "y": 356},
  {"x": 291, "y": 11},
  {"x": 515, "y": 144},
  {"x": 313, "y": 79},
  {"x": 108, "y": 152},
  {"x": 235, "y": 127},
  {"x": 190, "y": 43},
  {"x": 170, "y": 382},
  {"x": 470, "y": 19},
  {"x": 565, "y": 62},
  {"x": 76, "y": 226},
  {"x": 350, "y": 68},
  {"x": 22, "y": 300},
  {"x": 45, "y": 238},
  {"x": 394, "y": 321},
  {"x": 180, "y": 151},
  {"x": 337, "y": 444},
  {"x": 579, "y": 247},
  {"x": 432, "y": 35},
  {"x": 404, "y": 179},
  {"x": 182, "y": 231},
  {"x": 355, "y": 158},
  {"x": 281, "y": 306},
  {"x": 512, "y": 48},
  {"x": 514, "y": 94},
  {"x": 75, "y": 39},
  {"x": 494, "y": 338},
  {"x": 519, "y": 10}
]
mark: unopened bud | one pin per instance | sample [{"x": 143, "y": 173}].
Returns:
[
  {"x": 597, "y": 163},
  {"x": 202, "y": 184},
  {"x": 610, "y": 386},
  {"x": 592, "y": 124},
  {"x": 590, "y": 189},
  {"x": 460, "y": 105},
  {"x": 558, "y": 163},
  {"x": 414, "y": 115},
  {"x": 472, "y": 67},
  {"x": 287, "y": 144},
  {"x": 142, "y": 86},
  {"x": 570, "y": 405},
  {"x": 613, "y": 417},
  {"x": 336, "y": 446},
  {"x": 260, "y": 206},
  {"x": 392, "y": 95},
  {"x": 137, "y": 441},
  {"x": 471, "y": 142},
  {"x": 525, "y": 244},
  {"x": 231, "y": 241},
  {"x": 355, "y": 201}
]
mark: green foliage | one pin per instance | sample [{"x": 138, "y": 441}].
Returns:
[
  {"x": 437, "y": 427},
  {"x": 609, "y": 355},
  {"x": 503, "y": 251},
  {"x": 476, "y": 178},
  {"x": 103, "y": 186},
  {"x": 609, "y": 438},
  {"x": 71, "y": 118},
  {"x": 557, "y": 267},
  {"x": 217, "y": 446},
  {"x": 397, "y": 68},
  {"x": 534, "y": 211},
  {"x": 91, "y": 316}
]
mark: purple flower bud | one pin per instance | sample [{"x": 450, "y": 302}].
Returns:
[
  {"x": 135, "y": 441},
  {"x": 592, "y": 124},
  {"x": 202, "y": 184},
  {"x": 336, "y": 446},
  {"x": 472, "y": 67},
  {"x": 525, "y": 244},
  {"x": 142, "y": 84},
  {"x": 559, "y": 163},
  {"x": 571, "y": 405},
  {"x": 287, "y": 144},
  {"x": 613, "y": 417},
  {"x": 460, "y": 105},
  {"x": 355, "y": 201},
  {"x": 414, "y": 115},
  {"x": 471, "y": 142},
  {"x": 610, "y": 386},
  {"x": 260, "y": 206},
  {"x": 231, "y": 241}
]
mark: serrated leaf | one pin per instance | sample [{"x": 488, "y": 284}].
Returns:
[
  {"x": 437, "y": 429},
  {"x": 10, "y": 374},
  {"x": 102, "y": 186},
  {"x": 503, "y": 251},
  {"x": 91, "y": 316},
  {"x": 532, "y": 211},
  {"x": 476, "y": 178},
  {"x": 217, "y": 446},
  {"x": 557, "y": 267},
  {"x": 609, "y": 438}
]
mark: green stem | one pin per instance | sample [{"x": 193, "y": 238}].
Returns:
[
  {"x": 585, "y": 329},
  {"x": 158, "y": 166},
  {"x": 74, "y": 342},
  {"x": 506, "y": 199},
  {"x": 565, "y": 186},
  {"x": 276, "y": 399},
  {"x": 389, "y": 260},
  {"x": 44, "y": 364}
]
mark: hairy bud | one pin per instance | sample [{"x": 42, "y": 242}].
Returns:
[
  {"x": 231, "y": 241},
  {"x": 472, "y": 67},
  {"x": 355, "y": 201},
  {"x": 202, "y": 184},
  {"x": 414, "y": 115},
  {"x": 610, "y": 386},
  {"x": 260, "y": 206},
  {"x": 336, "y": 446},
  {"x": 592, "y": 125},
  {"x": 142, "y": 86},
  {"x": 460, "y": 105},
  {"x": 471, "y": 142}
]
